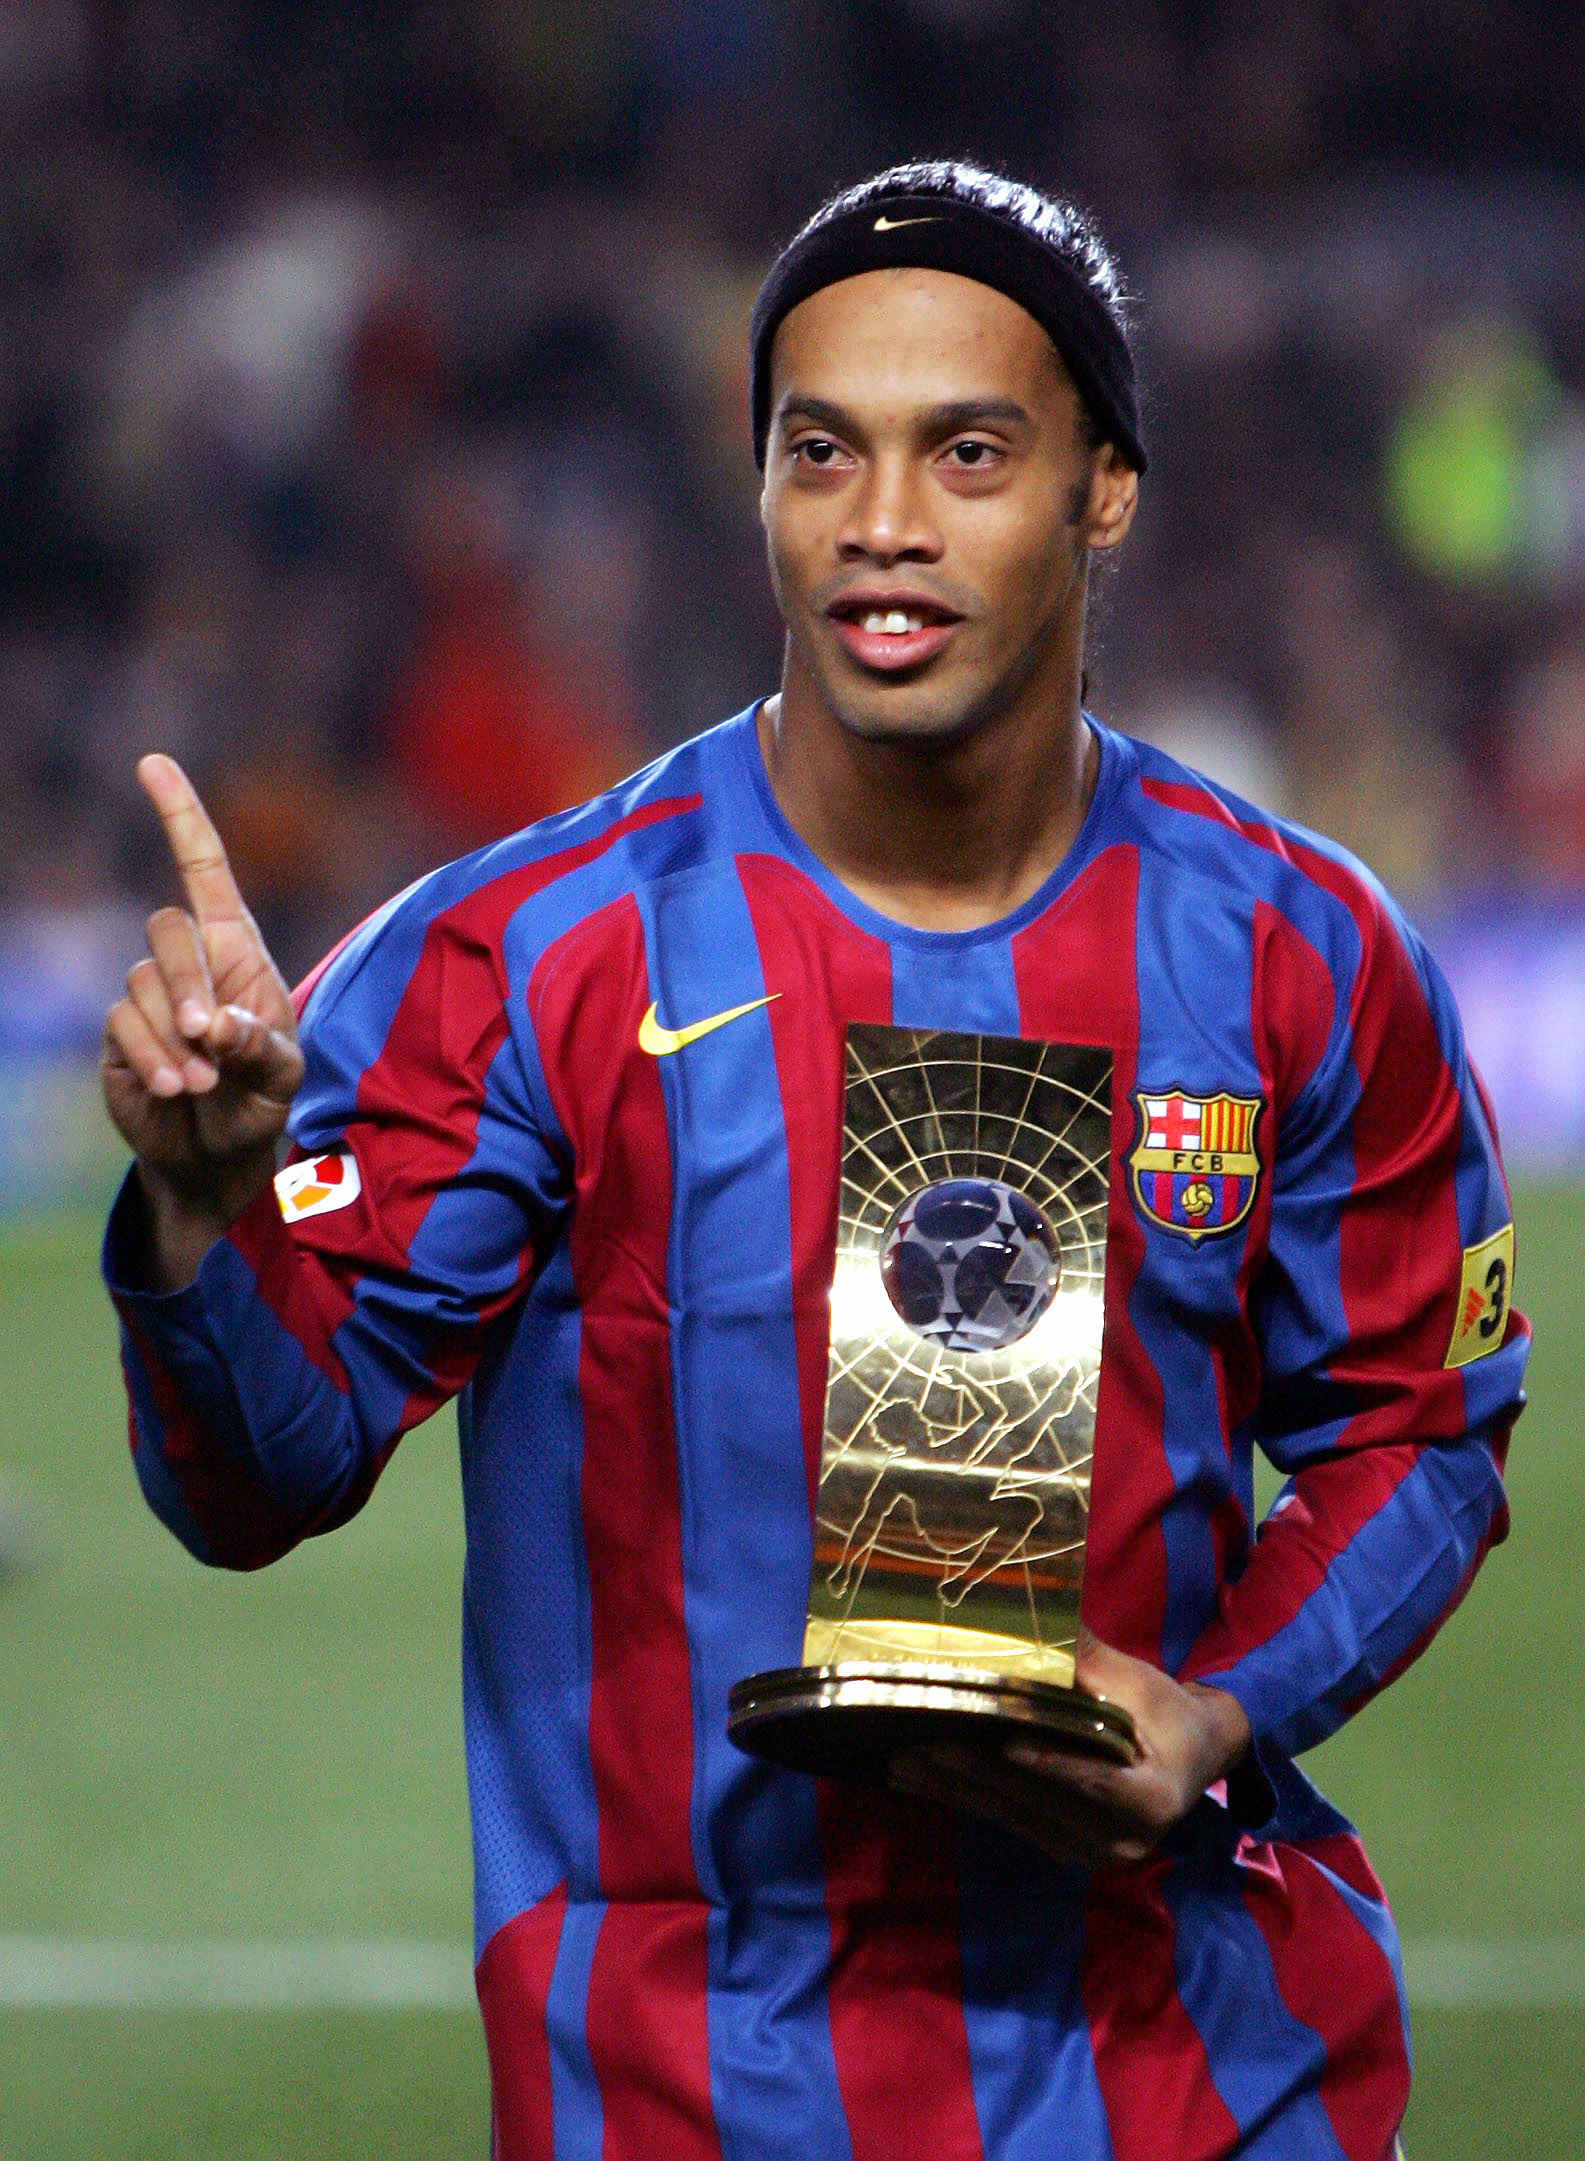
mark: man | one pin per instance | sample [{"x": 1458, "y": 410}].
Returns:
[{"x": 566, "y": 1132}]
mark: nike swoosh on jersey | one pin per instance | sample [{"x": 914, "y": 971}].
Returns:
[
  {"x": 891, "y": 225},
  {"x": 661, "y": 1042}
]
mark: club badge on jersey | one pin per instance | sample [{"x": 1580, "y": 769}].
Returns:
[
  {"x": 318, "y": 1186},
  {"x": 1194, "y": 1164}
]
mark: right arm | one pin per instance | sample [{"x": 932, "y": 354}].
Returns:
[{"x": 274, "y": 1352}]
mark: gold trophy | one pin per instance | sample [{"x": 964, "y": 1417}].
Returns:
[{"x": 966, "y": 1314}]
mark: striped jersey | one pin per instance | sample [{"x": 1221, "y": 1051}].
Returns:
[{"x": 525, "y": 1174}]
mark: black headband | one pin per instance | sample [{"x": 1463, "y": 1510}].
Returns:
[{"x": 943, "y": 232}]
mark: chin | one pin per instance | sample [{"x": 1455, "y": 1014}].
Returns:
[{"x": 908, "y": 712}]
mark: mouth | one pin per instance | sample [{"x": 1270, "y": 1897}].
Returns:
[{"x": 889, "y": 632}]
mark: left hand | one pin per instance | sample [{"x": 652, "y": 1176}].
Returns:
[{"x": 1079, "y": 1809}]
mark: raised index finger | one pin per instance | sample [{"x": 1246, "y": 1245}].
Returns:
[{"x": 200, "y": 855}]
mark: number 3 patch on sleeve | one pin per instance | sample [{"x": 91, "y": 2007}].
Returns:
[{"x": 1483, "y": 1296}]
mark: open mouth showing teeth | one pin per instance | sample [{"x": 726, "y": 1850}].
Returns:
[{"x": 900, "y": 622}]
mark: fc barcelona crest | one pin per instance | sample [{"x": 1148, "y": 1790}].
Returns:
[{"x": 1194, "y": 1164}]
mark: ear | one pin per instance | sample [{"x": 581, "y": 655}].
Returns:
[{"x": 1114, "y": 492}]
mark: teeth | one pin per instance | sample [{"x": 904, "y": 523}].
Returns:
[{"x": 894, "y": 624}]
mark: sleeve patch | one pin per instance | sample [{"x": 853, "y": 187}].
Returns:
[
  {"x": 320, "y": 1186},
  {"x": 1483, "y": 1295}
]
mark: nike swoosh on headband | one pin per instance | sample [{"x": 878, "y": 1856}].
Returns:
[
  {"x": 661, "y": 1042},
  {"x": 890, "y": 225}
]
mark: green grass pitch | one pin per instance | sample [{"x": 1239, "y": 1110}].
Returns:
[{"x": 184, "y": 1754}]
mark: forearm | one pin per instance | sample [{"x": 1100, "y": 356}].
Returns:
[
  {"x": 179, "y": 1226},
  {"x": 244, "y": 1433},
  {"x": 1227, "y": 1732},
  {"x": 1353, "y": 1574}
]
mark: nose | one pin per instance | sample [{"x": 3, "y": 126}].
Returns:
[{"x": 889, "y": 518}]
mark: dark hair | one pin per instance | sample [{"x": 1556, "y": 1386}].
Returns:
[{"x": 1041, "y": 250}]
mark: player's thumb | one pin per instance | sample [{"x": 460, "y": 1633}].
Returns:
[
  {"x": 1096, "y": 1664},
  {"x": 253, "y": 1055}
]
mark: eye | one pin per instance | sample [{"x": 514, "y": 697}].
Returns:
[
  {"x": 818, "y": 451},
  {"x": 972, "y": 457}
]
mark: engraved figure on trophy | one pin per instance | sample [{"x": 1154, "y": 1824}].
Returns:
[{"x": 1019, "y": 1522}]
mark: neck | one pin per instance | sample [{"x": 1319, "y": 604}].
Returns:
[{"x": 939, "y": 835}]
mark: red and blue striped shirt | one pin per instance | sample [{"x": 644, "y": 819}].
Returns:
[{"x": 622, "y": 1261}]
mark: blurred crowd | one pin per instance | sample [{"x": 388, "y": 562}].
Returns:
[{"x": 373, "y": 432}]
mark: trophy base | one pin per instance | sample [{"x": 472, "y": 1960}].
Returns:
[{"x": 852, "y": 1720}]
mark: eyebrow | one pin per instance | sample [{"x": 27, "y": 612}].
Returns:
[{"x": 938, "y": 420}]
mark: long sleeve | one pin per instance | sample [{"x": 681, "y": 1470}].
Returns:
[
  {"x": 1391, "y": 1357},
  {"x": 356, "y": 1296}
]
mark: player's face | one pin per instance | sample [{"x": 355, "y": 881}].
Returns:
[{"x": 930, "y": 502}]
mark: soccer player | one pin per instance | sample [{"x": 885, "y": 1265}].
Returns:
[{"x": 564, "y": 1124}]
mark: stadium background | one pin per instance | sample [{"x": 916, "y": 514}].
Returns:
[{"x": 373, "y": 436}]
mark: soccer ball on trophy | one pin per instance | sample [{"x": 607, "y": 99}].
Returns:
[{"x": 970, "y": 1263}]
